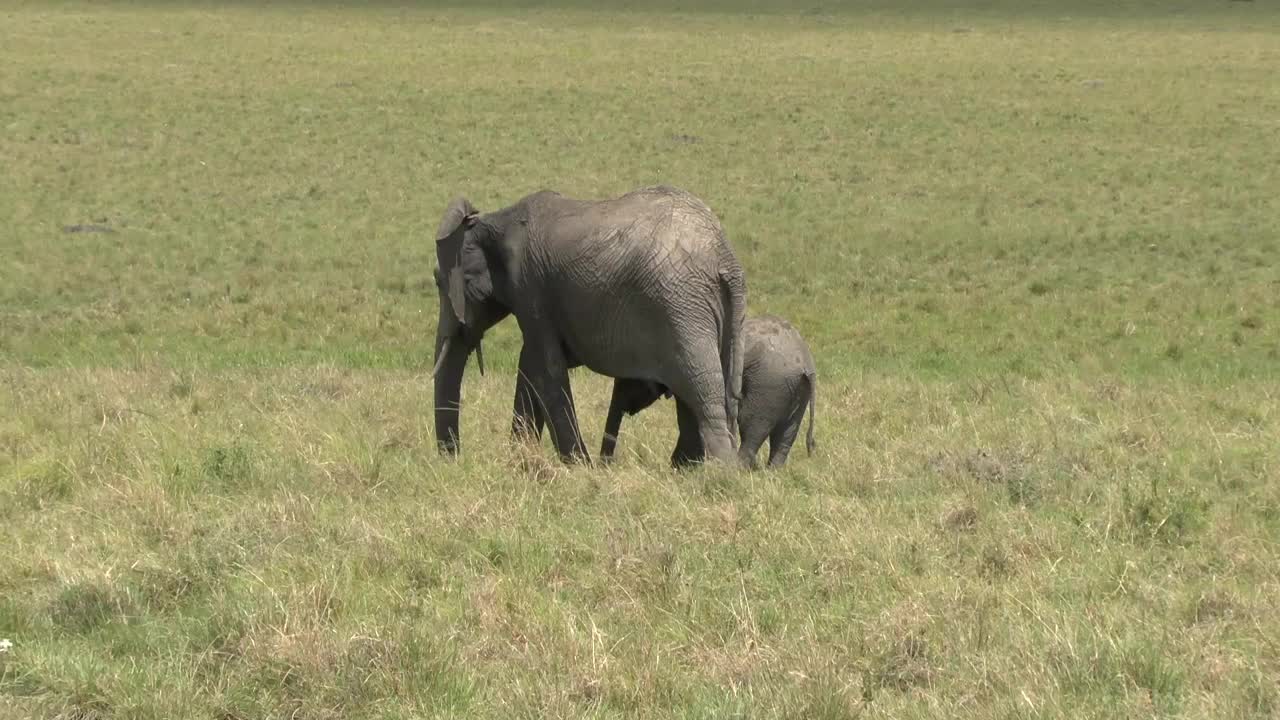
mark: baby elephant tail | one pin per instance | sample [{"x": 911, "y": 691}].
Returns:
[{"x": 812, "y": 379}]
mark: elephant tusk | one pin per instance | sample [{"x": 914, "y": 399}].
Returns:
[
  {"x": 444, "y": 352},
  {"x": 480, "y": 357}
]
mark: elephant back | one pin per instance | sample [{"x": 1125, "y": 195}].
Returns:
[{"x": 773, "y": 345}]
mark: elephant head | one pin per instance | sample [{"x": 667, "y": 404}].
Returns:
[{"x": 468, "y": 308}]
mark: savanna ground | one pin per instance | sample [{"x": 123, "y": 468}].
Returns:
[{"x": 1033, "y": 245}]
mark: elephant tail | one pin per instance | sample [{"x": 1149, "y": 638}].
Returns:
[
  {"x": 812, "y": 379},
  {"x": 733, "y": 298}
]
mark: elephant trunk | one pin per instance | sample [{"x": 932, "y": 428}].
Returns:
[{"x": 451, "y": 360}]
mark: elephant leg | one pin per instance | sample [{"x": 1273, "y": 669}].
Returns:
[
  {"x": 613, "y": 422},
  {"x": 782, "y": 437},
  {"x": 529, "y": 416},
  {"x": 701, "y": 389},
  {"x": 688, "y": 448},
  {"x": 629, "y": 397},
  {"x": 548, "y": 375},
  {"x": 753, "y": 436}
]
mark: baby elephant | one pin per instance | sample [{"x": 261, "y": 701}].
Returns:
[{"x": 779, "y": 382}]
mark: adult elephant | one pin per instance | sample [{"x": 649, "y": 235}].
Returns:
[{"x": 644, "y": 286}]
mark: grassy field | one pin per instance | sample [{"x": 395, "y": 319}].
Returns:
[{"x": 1034, "y": 246}]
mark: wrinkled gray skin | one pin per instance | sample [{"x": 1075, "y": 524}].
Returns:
[
  {"x": 643, "y": 286},
  {"x": 779, "y": 382}
]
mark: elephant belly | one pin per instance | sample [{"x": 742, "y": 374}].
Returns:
[{"x": 617, "y": 341}]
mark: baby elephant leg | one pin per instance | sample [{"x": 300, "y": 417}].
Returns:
[
  {"x": 753, "y": 433},
  {"x": 784, "y": 435}
]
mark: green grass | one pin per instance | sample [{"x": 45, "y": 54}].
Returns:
[{"x": 1034, "y": 247}]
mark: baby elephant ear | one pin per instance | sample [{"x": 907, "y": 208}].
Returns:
[{"x": 449, "y": 241}]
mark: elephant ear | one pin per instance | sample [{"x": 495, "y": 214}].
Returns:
[
  {"x": 450, "y": 238},
  {"x": 475, "y": 274}
]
